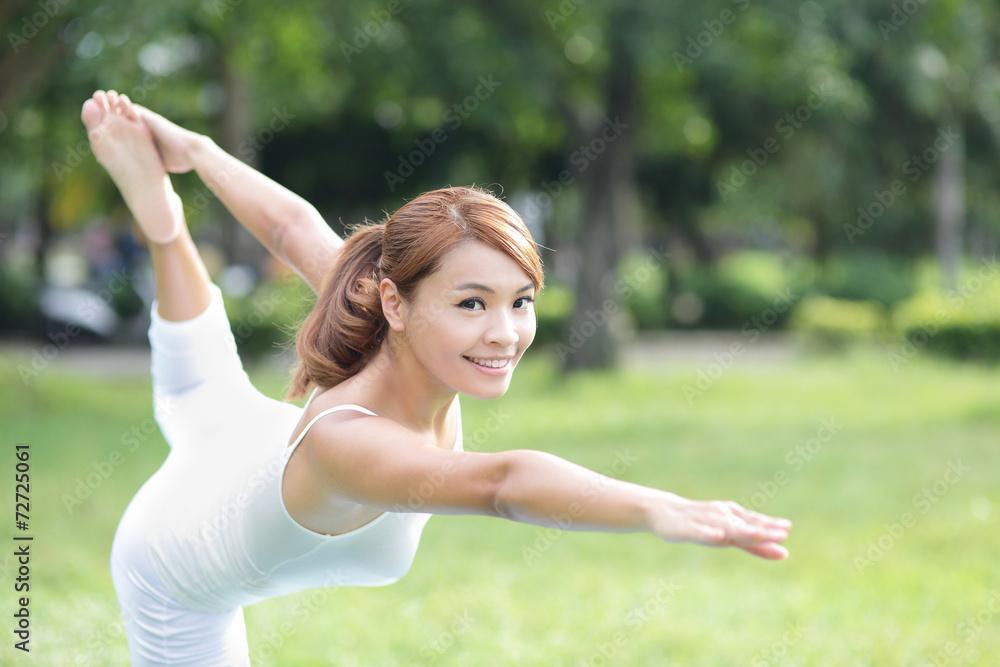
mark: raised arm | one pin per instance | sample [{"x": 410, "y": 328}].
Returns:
[
  {"x": 287, "y": 225},
  {"x": 394, "y": 471}
]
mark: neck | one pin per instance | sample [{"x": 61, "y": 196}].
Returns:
[{"x": 396, "y": 386}]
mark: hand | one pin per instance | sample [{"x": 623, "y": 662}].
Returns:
[
  {"x": 717, "y": 524},
  {"x": 173, "y": 141}
]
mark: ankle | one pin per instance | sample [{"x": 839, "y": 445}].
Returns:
[{"x": 197, "y": 146}]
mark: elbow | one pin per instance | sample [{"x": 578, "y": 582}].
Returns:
[
  {"x": 501, "y": 492},
  {"x": 285, "y": 217},
  {"x": 508, "y": 488}
]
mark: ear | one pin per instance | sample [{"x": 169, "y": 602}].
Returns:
[{"x": 393, "y": 306}]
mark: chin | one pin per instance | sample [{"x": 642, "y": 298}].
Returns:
[{"x": 485, "y": 393}]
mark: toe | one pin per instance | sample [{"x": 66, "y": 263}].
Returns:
[
  {"x": 127, "y": 108},
  {"x": 91, "y": 114},
  {"x": 113, "y": 100},
  {"x": 101, "y": 98}
]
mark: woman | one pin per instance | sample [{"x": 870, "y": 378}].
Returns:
[{"x": 258, "y": 498}]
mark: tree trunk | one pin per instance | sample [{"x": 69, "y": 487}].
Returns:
[
  {"x": 236, "y": 128},
  {"x": 949, "y": 208},
  {"x": 609, "y": 185}
]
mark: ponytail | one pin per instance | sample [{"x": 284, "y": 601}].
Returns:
[{"x": 346, "y": 327}]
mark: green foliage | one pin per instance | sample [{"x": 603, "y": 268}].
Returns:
[
  {"x": 836, "y": 323},
  {"x": 552, "y": 310},
  {"x": 19, "y": 312},
  {"x": 264, "y": 322},
  {"x": 962, "y": 323},
  {"x": 863, "y": 276},
  {"x": 645, "y": 285},
  {"x": 743, "y": 288}
]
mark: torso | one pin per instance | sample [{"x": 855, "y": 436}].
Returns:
[{"x": 316, "y": 506}]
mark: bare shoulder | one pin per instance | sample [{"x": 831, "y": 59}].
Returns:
[{"x": 377, "y": 462}]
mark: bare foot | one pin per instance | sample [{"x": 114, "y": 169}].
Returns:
[
  {"x": 124, "y": 146},
  {"x": 171, "y": 139}
]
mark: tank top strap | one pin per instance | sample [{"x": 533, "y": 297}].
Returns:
[{"x": 346, "y": 406}]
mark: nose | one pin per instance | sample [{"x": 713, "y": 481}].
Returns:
[{"x": 502, "y": 331}]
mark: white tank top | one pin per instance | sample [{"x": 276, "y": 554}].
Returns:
[{"x": 229, "y": 541}]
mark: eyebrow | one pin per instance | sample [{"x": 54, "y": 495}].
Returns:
[{"x": 489, "y": 290}]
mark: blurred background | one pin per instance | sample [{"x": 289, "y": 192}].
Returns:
[
  {"x": 770, "y": 233},
  {"x": 835, "y": 157}
]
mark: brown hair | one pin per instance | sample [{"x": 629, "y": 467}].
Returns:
[{"x": 346, "y": 327}]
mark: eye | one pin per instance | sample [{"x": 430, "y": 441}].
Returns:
[
  {"x": 474, "y": 303},
  {"x": 523, "y": 303}
]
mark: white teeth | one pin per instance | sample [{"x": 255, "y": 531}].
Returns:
[{"x": 491, "y": 363}]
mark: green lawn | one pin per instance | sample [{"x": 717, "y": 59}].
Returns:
[{"x": 892, "y": 480}]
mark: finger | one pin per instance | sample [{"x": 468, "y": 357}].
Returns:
[
  {"x": 742, "y": 532},
  {"x": 749, "y": 534},
  {"x": 713, "y": 536},
  {"x": 769, "y": 550},
  {"x": 761, "y": 519}
]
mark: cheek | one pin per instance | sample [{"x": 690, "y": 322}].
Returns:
[
  {"x": 450, "y": 333},
  {"x": 526, "y": 332}
]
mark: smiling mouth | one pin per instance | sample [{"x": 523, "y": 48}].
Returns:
[{"x": 489, "y": 363}]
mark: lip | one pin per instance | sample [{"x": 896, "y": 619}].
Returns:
[{"x": 489, "y": 370}]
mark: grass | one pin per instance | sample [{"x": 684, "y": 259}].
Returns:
[{"x": 891, "y": 479}]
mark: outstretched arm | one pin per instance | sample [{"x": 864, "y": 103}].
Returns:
[
  {"x": 287, "y": 225},
  {"x": 374, "y": 462}
]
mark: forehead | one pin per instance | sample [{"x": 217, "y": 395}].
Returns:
[{"x": 476, "y": 262}]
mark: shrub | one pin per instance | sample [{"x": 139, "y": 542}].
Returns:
[
  {"x": 866, "y": 277},
  {"x": 963, "y": 323},
  {"x": 264, "y": 321},
  {"x": 19, "y": 311},
  {"x": 742, "y": 287},
  {"x": 836, "y": 323}
]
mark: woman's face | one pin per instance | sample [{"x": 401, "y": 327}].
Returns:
[{"x": 471, "y": 320}]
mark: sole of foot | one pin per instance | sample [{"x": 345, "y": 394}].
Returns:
[{"x": 124, "y": 146}]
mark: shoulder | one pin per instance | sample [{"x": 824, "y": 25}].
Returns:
[{"x": 348, "y": 439}]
